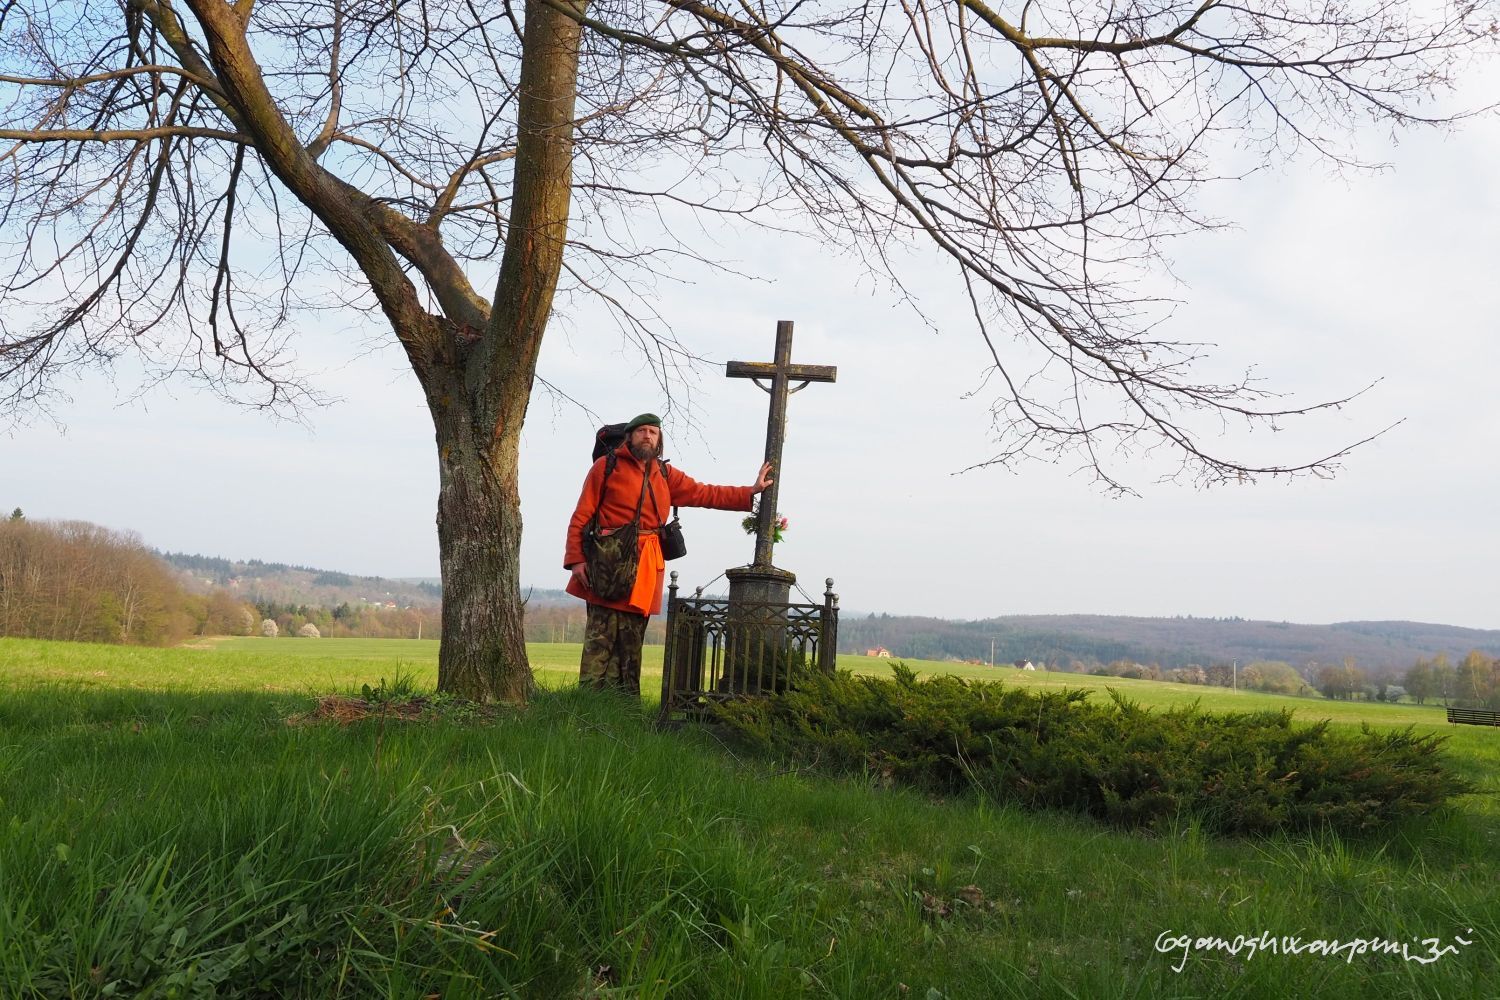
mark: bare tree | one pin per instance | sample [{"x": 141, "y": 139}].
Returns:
[{"x": 185, "y": 177}]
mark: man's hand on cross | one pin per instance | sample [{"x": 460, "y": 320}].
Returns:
[{"x": 764, "y": 479}]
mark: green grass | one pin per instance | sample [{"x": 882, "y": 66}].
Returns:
[
  {"x": 163, "y": 828},
  {"x": 294, "y": 664},
  {"x": 256, "y": 664}
]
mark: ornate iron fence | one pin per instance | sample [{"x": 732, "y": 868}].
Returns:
[{"x": 716, "y": 650}]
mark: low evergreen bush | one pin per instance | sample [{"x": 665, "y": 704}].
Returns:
[{"x": 1238, "y": 773}]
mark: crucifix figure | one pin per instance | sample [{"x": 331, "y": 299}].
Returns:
[{"x": 778, "y": 374}]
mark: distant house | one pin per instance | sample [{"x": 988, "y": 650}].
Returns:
[
  {"x": 1024, "y": 665},
  {"x": 879, "y": 651}
]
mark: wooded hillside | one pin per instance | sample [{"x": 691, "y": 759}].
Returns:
[{"x": 76, "y": 581}]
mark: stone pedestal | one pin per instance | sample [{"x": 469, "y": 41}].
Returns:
[
  {"x": 755, "y": 650},
  {"x": 760, "y": 583}
]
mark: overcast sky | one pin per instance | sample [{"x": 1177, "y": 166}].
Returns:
[{"x": 1327, "y": 284}]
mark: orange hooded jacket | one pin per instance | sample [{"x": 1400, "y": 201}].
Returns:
[{"x": 624, "y": 489}]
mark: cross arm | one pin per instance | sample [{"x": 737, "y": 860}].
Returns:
[{"x": 766, "y": 369}]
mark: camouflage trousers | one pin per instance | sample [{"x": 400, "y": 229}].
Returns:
[{"x": 612, "y": 650}]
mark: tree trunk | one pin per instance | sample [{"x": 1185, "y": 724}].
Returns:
[{"x": 483, "y": 653}]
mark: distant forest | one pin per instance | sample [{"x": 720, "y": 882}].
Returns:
[{"x": 75, "y": 581}]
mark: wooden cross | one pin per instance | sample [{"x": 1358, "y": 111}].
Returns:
[{"x": 779, "y": 373}]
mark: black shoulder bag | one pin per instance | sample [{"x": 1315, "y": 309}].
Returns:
[
  {"x": 673, "y": 545},
  {"x": 613, "y": 558}
]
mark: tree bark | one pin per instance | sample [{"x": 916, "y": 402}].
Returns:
[{"x": 483, "y": 653}]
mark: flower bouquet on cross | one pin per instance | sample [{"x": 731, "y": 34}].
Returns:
[{"x": 778, "y": 525}]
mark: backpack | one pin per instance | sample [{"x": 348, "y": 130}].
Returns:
[{"x": 607, "y": 439}]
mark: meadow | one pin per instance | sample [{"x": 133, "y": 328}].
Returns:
[
  {"x": 320, "y": 666},
  {"x": 174, "y": 824}
]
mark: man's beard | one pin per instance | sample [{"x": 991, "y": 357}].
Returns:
[{"x": 645, "y": 452}]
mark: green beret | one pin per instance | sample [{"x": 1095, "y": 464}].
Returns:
[{"x": 644, "y": 420}]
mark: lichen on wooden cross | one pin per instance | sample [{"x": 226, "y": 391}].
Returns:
[{"x": 778, "y": 373}]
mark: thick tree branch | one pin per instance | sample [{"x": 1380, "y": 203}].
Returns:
[{"x": 24, "y": 136}]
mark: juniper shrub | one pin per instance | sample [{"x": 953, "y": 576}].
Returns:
[{"x": 1239, "y": 773}]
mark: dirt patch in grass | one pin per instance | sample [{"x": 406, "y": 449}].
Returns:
[{"x": 343, "y": 710}]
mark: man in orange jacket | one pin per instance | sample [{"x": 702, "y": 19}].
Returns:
[{"x": 616, "y": 629}]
